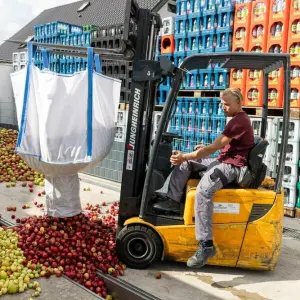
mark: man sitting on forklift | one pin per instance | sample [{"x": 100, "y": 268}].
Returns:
[{"x": 236, "y": 141}]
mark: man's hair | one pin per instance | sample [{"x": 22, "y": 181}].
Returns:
[{"x": 236, "y": 92}]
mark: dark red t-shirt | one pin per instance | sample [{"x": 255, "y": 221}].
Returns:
[{"x": 239, "y": 128}]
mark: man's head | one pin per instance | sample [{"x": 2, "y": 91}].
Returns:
[{"x": 231, "y": 100}]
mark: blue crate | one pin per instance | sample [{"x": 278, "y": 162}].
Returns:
[
  {"x": 205, "y": 79},
  {"x": 181, "y": 28},
  {"x": 75, "y": 28},
  {"x": 225, "y": 22},
  {"x": 163, "y": 92},
  {"x": 180, "y": 107},
  {"x": 208, "y": 43},
  {"x": 189, "y": 144},
  {"x": 191, "y": 80},
  {"x": 59, "y": 28},
  {"x": 177, "y": 124},
  {"x": 201, "y": 138},
  {"x": 209, "y": 7},
  {"x": 225, "y": 6},
  {"x": 202, "y": 123},
  {"x": 222, "y": 79},
  {"x": 195, "y": 8},
  {"x": 193, "y": 45},
  {"x": 191, "y": 105},
  {"x": 206, "y": 107},
  {"x": 86, "y": 39},
  {"x": 194, "y": 27},
  {"x": 218, "y": 124},
  {"x": 181, "y": 46},
  {"x": 189, "y": 125},
  {"x": 178, "y": 59},
  {"x": 218, "y": 108},
  {"x": 178, "y": 144},
  {"x": 181, "y": 6},
  {"x": 62, "y": 67},
  {"x": 55, "y": 67},
  {"x": 210, "y": 23},
  {"x": 224, "y": 42}
]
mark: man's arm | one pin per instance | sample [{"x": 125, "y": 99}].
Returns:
[{"x": 220, "y": 142}]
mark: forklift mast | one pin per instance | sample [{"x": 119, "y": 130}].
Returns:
[{"x": 146, "y": 74}]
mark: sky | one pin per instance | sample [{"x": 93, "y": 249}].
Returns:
[{"x": 15, "y": 14}]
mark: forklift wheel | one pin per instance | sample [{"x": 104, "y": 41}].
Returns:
[{"x": 138, "y": 246}]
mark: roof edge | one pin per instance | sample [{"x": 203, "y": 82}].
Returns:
[{"x": 159, "y": 5}]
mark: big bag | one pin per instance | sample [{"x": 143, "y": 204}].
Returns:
[{"x": 67, "y": 123}]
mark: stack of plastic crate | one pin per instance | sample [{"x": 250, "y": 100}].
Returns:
[
  {"x": 110, "y": 37},
  {"x": 65, "y": 34},
  {"x": 198, "y": 121}
]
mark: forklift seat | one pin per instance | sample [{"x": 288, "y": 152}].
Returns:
[{"x": 256, "y": 171}]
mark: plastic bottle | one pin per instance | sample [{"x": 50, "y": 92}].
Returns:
[
  {"x": 192, "y": 81},
  {"x": 212, "y": 81},
  {"x": 180, "y": 48},
  {"x": 221, "y": 80},
  {"x": 208, "y": 42},
  {"x": 188, "y": 6},
  {"x": 181, "y": 30},
  {"x": 194, "y": 44},
  {"x": 208, "y": 23},
  {"x": 298, "y": 27},
  {"x": 220, "y": 109},
  {"x": 182, "y": 11},
  {"x": 206, "y": 80},
  {"x": 223, "y": 40},
  {"x": 278, "y": 29},
  {"x": 195, "y": 25},
  {"x": 196, "y": 6}
]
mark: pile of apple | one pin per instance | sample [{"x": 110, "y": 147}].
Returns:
[
  {"x": 16, "y": 274},
  {"x": 80, "y": 245},
  {"x": 12, "y": 167}
]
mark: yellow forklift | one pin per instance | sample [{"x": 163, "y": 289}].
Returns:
[{"x": 247, "y": 221}]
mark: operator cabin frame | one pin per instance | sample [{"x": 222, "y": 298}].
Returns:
[{"x": 231, "y": 60}]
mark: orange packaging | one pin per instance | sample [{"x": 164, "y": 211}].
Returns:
[
  {"x": 278, "y": 26},
  {"x": 295, "y": 96},
  {"x": 253, "y": 96},
  {"x": 237, "y": 78},
  {"x": 259, "y": 25},
  {"x": 167, "y": 44}
]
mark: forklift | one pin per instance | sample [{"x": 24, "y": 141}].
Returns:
[{"x": 247, "y": 221}]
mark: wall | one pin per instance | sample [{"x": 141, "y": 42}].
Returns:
[{"x": 8, "y": 116}]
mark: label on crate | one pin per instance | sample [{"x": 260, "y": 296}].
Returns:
[{"x": 226, "y": 208}]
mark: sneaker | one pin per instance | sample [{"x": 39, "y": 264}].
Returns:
[
  {"x": 167, "y": 206},
  {"x": 200, "y": 258}
]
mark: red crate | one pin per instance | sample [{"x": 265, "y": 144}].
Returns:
[
  {"x": 254, "y": 77},
  {"x": 242, "y": 15}
]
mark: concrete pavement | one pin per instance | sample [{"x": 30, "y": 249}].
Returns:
[{"x": 178, "y": 282}]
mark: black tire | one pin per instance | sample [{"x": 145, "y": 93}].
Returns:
[{"x": 138, "y": 246}]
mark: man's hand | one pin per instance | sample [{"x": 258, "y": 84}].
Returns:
[
  {"x": 197, "y": 147},
  {"x": 177, "y": 158}
]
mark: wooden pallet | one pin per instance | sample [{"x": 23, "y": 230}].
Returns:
[
  {"x": 297, "y": 213},
  {"x": 289, "y": 212},
  {"x": 272, "y": 112},
  {"x": 200, "y": 93}
]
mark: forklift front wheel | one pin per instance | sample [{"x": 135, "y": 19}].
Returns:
[{"x": 138, "y": 246}]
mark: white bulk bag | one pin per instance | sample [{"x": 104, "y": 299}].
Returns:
[{"x": 67, "y": 122}]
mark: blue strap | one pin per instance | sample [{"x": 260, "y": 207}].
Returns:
[
  {"x": 98, "y": 64},
  {"x": 45, "y": 59},
  {"x": 31, "y": 54},
  {"x": 90, "y": 67}
]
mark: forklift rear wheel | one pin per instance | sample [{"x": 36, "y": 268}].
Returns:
[{"x": 138, "y": 246}]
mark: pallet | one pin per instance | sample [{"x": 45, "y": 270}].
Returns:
[
  {"x": 297, "y": 213},
  {"x": 289, "y": 212},
  {"x": 272, "y": 112},
  {"x": 200, "y": 93}
]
